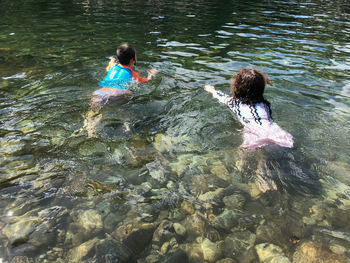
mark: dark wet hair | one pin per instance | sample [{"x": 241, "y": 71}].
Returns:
[
  {"x": 125, "y": 53},
  {"x": 248, "y": 85}
]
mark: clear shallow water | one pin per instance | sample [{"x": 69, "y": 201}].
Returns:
[{"x": 171, "y": 154}]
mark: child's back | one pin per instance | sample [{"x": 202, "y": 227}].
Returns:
[
  {"x": 115, "y": 84},
  {"x": 117, "y": 77},
  {"x": 253, "y": 110}
]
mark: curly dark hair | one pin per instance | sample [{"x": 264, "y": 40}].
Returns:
[
  {"x": 248, "y": 85},
  {"x": 125, "y": 53}
]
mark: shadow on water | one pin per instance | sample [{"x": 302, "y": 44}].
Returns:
[{"x": 274, "y": 168}]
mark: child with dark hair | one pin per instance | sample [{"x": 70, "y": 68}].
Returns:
[
  {"x": 120, "y": 74},
  {"x": 252, "y": 109},
  {"x": 115, "y": 84}
]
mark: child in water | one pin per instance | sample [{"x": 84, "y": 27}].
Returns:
[
  {"x": 115, "y": 84},
  {"x": 120, "y": 74},
  {"x": 252, "y": 109}
]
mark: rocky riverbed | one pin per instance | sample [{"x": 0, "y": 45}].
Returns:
[{"x": 189, "y": 208}]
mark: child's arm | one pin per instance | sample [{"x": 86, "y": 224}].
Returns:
[
  {"x": 140, "y": 79},
  {"x": 210, "y": 89},
  {"x": 222, "y": 97},
  {"x": 152, "y": 73}
]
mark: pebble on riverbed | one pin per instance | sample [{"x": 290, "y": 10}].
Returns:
[
  {"x": 238, "y": 243},
  {"x": 270, "y": 253},
  {"x": 226, "y": 220},
  {"x": 212, "y": 251},
  {"x": 314, "y": 252},
  {"x": 136, "y": 237},
  {"x": 77, "y": 253},
  {"x": 179, "y": 229},
  {"x": 20, "y": 231}
]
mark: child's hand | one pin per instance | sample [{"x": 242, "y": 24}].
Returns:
[
  {"x": 209, "y": 88},
  {"x": 112, "y": 60},
  {"x": 111, "y": 63},
  {"x": 151, "y": 73}
]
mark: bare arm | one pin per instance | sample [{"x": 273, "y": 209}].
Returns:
[
  {"x": 222, "y": 97},
  {"x": 152, "y": 73},
  {"x": 210, "y": 89}
]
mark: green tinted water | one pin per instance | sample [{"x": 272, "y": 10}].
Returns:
[{"x": 171, "y": 154}]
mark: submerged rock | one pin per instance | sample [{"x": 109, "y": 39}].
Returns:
[
  {"x": 269, "y": 232},
  {"x": 226, "y": 260},
  {"x": 55, "y": 255},
  {"x": 26, "y": 126},
  {"x": 166, "y": 144},
  {"x": 175, "y": 257},
  {"x": 238, "y": 243},
  {"x": 199, "y": 184},
  {"x": 58, "y": 136},
  {"x": 264, "y": 179},
  {"x": 109, "y": 250},
  {"x": 157, "y": 171},
  {"x": 187, "y": 207},
  {"x": 90, "y": 148},
  {"x": 219, "y": 170},
  {"x": 270, "y": 253},
  {"x": 213, "y": 234},
  {"x": 76, "y": 254},
  {"x": 173, "y": 243},
  {"x": 235, "y": 201},
  {"x": 194, "y": 252},
  {"x": 162, "y": 143},
  {"x": 77, "y": 234},
  {"x": 183, "y": 163},
  {"x": 20, "y": 259},
  {"x": 212, "y": 196},
  {"x": 165, "y": 248},
  {"x": 138, "y": 152},
  {"x": 179, "y": 229},
  {"x": 337, "y": 241},
  {"x": 82, "y": 186},
  {"x": 112, "y": 220},
  {"x": 314, "y": 252},
  {"x": 43, "y": 236},
  {"x": 135, "y": 237},
  {"x": 154, "y": 257},
  {"x": 19, "y": 232},
  {"x": 194, "y": 225},
  {"x": 318, "y": 215},
  {"x": 212, "y": 251},
  {"x": 164, "y": 232},
  {"x": 226, "y": 220},
  {"x": 11, "y": 146},
  {"x": 89, "y": 219},
  {"x": 206, "y": 182},
  {"x": 338, "y": 249}
]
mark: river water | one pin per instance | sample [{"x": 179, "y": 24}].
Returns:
[{"x": 164, "y": 179}]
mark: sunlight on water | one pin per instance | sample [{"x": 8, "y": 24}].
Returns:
[{"x": 163, "y": 178}]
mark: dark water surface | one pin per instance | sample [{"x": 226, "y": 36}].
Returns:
[{"x": 165, "y": 179}]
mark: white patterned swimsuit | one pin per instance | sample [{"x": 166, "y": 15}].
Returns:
[{"x": 259, "y": 128}]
